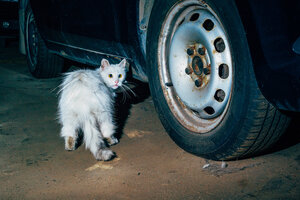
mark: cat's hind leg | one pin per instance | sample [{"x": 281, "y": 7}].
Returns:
[
  {"x": 107, "y": 128},
  {"x": 94, "y": 141},
  {"x": 103, "y": 153},
  {"x": 69, "y": 133}
]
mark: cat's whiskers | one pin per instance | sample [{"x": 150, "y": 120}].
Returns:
[
  {"x": 53, "y": 90},
  {"x": 125, "y": 94},
  {"x": 129, "y": 89},
  {"x": 130, "y": 82}
]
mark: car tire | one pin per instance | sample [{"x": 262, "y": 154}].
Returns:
[
  {"x": 41, "y": 63},
  {"x": 203, "y": 84}
]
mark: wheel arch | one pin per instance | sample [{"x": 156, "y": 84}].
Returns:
[
  {"x": 145, "y": 9},
  {"x": 279, "y": 82}
]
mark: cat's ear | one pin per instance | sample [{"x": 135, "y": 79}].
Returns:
[
  {"x": 104, "y": 63},
  {"x": 123, "y": 63}
]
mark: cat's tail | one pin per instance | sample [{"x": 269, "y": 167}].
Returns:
[
  {"x": 64, "y": 84},
  {"x": 68, "y": 80}
]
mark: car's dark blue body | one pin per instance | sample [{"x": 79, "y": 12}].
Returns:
[
  {"x": 8, "y": 18},
  {"x": 86, "y": 31},
  {"x": 272, "y": 28}
]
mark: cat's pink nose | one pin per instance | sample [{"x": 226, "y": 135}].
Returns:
[{"x": 117, "y": 81}]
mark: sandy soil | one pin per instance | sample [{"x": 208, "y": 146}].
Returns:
[{"x": 34, "y": 164}]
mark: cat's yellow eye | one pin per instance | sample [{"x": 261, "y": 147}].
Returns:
[
  {"x": 120, "y": 75},
  {"x": 110, "y": 75}
]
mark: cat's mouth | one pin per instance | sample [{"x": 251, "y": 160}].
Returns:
[{"x": 115, "y": 86}]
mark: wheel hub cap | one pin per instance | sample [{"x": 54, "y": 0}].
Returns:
[
  {"x": 197, "y": 49},
  {"x": 195, "y": 65}
]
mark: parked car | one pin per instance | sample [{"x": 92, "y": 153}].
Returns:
[
  {"x": 222, "y": 74},
  {"x": 9, "y": 25}
]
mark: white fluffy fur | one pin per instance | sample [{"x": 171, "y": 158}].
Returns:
[{"x": 86, "y": 103}]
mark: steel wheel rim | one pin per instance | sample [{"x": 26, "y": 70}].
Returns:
[
  {"x": 195, "y": 66},
  {"x": 32, "y": 41}
]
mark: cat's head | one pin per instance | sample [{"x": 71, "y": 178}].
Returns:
[{"x": 113, "y": 74}]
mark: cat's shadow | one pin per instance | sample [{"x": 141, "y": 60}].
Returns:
[{"x": 125, "y": 100}]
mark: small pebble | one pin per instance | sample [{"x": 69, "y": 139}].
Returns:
[
  {"x": 206, "y": 166},
  {"x": 224, "y": 164}
]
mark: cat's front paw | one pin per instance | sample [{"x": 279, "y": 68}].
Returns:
[{"x": 112, "y": 140}]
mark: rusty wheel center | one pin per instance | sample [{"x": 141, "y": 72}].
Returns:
[{"x": 198, "y": 66}]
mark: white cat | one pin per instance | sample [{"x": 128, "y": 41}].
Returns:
[{"x": 86, "y": 103}]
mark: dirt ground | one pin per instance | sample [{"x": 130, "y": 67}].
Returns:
[{"x": 34, "y": 164}]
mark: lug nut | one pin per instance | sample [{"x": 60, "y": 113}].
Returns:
[
  {"x": 188, "y": 71},
  {"x": 201, "y": 51},
  {"x": 190, "y": 51},
  {"x": 206, "y": 71},
  {"x": 198, "y": 82}
]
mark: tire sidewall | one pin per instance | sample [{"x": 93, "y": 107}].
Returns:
[
  {"x": 47, "y": 65},
  {"x": 225, "y": 136},
  {"x": 31, "y": 66}
]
